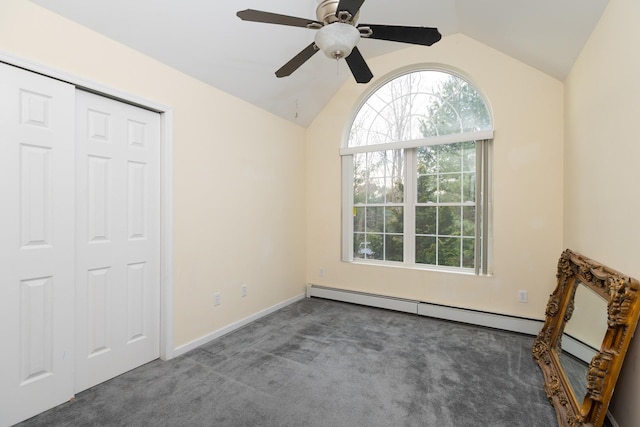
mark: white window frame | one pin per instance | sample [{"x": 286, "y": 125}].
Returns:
[{"x": 483, "y": 195}]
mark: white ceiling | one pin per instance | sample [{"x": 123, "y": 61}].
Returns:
[{"x": 205, "y": 39}]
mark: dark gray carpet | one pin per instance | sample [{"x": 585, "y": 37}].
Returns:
[{"x": 325, "y": 363}]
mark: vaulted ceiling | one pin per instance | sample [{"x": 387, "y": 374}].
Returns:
[{"x": 205, "y": 39}]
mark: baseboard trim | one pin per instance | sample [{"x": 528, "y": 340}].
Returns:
[
  {"x": 474, "y": 317},
  {"x": 371, "y": 300},
  {"x": 233, "y": 326},
  {"x": 481, "y": 318}
]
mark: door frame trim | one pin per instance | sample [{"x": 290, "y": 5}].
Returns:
[{"x": 166, "y": 180}]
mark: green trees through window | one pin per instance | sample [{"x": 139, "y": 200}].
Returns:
[
  {"x": 418, "y": 203},
  {"x": 446, "y": 204},
  {"x": 379, "y": 205}
]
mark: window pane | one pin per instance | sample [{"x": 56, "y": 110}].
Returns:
[
  {"x": 375, "y": 219},
  {"x": 450, "y": 188},
  {"x": 468, "y": 253},
  {"x": 425, "y": 250},
  {"x": 469, "y": 221},
  {"x": 359, "y": 178},
  {"x": 449, "y": 251},
  {"x": 393, "y": 248},
  {"x": 375, "y": 163},
  {"x": 469, "y": 156},
  {"x": 426, "y": 219},
  {"x": 449, "y": 220},
  {"x": 375, "y": 190},
  {"x": 394, "y": 220},
  {"x": 396, "y": 190},
  {"x": 417, "y": 105},
  {"x": 394, "y": 173},
  {"x": 444, "y": 118},
  {"x": 359, "y": 245},
  {"x": 450, "y": 157},
  {"x": 427, "y": 188},
  {"x": 376, "y": 244},
  {"x": 469, "y": 187},
  {"x": 394, "y": 162},
  {"x": 359, "y": 192},
  {"x": 429, "y": 127},
  {"x": 427, "y": 159},
  {"x": 358, "y": 220}
]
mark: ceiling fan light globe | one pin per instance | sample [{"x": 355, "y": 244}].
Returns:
[{"x": 337, "y": 40}]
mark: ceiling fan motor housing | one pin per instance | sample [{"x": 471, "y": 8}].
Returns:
[{"x": 326, "y": 12}]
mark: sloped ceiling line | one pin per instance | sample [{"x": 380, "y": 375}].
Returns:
[{"x": 206, "y": 40}]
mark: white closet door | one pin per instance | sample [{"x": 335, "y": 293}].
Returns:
[
  {"x": 36, "y": 243},
  {"x": 117, "y": 239}
]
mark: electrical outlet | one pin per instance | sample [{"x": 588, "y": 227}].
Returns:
[
  {"x": 243, "y": 290},
  {"x": 523, "y": 296},
  {"x": 217, "y": 298},
  {"x": 321, "y": 272}
]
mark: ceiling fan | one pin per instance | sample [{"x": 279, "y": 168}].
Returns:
[{"x": 338, "y": 33}]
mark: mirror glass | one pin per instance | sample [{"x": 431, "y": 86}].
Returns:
[{"x": 582, "y": 337}]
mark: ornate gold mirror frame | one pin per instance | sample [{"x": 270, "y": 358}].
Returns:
[{"x": 623, "y": 307}]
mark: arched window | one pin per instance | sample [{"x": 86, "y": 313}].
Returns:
[{"x": 416, "y": 174}]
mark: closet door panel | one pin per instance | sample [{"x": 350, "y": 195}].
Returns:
[
  {"x": 118, "y": 238},
  {"x": 37, "y": 135}
]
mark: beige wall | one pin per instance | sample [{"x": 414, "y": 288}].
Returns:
[
  {"x": 527, "y": 108},
  {"x": 238, "y": 188},
  {"x": 602, "y": 164}
]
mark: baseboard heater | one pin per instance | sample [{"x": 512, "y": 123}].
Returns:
[{"x": 463, "y": 315}]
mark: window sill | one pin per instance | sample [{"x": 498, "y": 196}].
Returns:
[{"x": 421, "y": 267}]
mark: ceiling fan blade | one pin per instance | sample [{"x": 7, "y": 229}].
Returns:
[
  {"x": 425, "y": 36},
  {"x": 359, "y": 67},
  {"x": 274, "y": 18},
  {"x": 351, "y": 6},
  {"x": 297, "y": 61}
]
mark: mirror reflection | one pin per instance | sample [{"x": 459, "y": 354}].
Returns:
[{"x": 583, "y": 334}]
